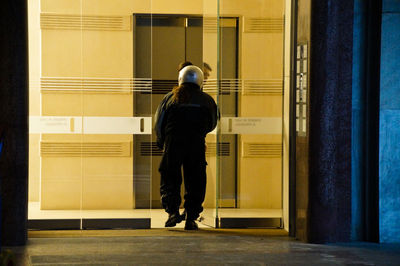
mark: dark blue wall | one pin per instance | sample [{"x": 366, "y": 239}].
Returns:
[
  {"x": 389, "y": 136},
  {"x": 330, "y": 121}
]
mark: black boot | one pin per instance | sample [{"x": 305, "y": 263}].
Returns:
[
  {"x": 191, "y": 225},
  {"x": 173, "y": 219},
  {"x": 183, "y": 215}
]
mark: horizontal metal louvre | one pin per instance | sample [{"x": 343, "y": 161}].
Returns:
[
  {"x": 150, "y": 149},
  {"x": 224, "y": 149},
  {"x": 210, "y": 25},
  {"x": 263, "y": 87},
  {"x": 85, "y": 149},
  {"x": 263, "y": 25},
  {"x": 161, "y": 86},
  {"x": 78, "y": 22},
  {"x": 246, "y": 86},
  {"x": 94, "y": 85},
  {"x": 149, "y": 86},
  {"x": 225, "y": 86},
  {"x": 262, "y": 150}
]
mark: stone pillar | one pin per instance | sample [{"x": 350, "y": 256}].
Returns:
[
  {"x": 389, "y": 119},
  {"x": 331, "y": 47},
  {"x": 14, "y": 122}
]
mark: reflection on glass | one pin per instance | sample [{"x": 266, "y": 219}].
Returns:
[{"x": 98, "y": 70}]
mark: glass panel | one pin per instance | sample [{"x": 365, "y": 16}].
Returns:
[
  {"x": 55, "y": 118},
  {"x": 250, "y": 101},
  {"x": 90, "y": 117},
  {"x": 99, "y": 69},
  {"x": 117, "y": 118},
  {"x": 211, "y": 70}
]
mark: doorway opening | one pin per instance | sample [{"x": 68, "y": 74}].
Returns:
[{"x": 93, "y": 161}]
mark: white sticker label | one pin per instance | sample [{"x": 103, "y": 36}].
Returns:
[
  {"x": 251, "y": 125},
  {"x": 55, "y": 124},
  {"x": 117, "y": 125},
  {"x": 89, "y": 125}
]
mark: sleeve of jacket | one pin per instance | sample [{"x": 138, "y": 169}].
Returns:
[
  {"x": 160, "y": 118},
  {"x": 214, "y": 114}
]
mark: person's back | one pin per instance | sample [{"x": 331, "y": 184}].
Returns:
[
  {"x": 183, "y": 119},
  {"x": 191, "y": 119}
]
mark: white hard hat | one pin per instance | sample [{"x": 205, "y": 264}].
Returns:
[{"x": 191, "y": 74}]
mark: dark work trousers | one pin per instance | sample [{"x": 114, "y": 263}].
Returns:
[{"x": 189, "y": 153}]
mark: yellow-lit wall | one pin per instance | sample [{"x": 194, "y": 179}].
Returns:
[
  {"x": 66, "y": 54},
  {"x": 34, "y": 96}
]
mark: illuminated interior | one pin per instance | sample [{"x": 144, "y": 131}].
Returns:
[{"x": 98, "y": 70}]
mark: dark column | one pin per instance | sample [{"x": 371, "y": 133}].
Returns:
[
  {"x": 330, "y": 121},
  {"x": 371, "y": 125},
  {"x": 14, "y": 121}
]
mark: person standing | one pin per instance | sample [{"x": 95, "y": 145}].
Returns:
[{"x": 183, "y": 119}]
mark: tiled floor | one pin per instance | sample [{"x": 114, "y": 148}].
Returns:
[{"x": 203, "y": 247}]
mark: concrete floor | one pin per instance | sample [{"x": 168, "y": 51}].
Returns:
[{"x": 203, "y": 247}]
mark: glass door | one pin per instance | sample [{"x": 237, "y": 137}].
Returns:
[
  {"x": 99, "y": 69},
  {"x": 117, "y": 133},
  {"x": 210, "y": 85},
  {"x": 90, "y": 166},
  {"x": 55, "y": 118},
  {"x": 250, "y": 99}
]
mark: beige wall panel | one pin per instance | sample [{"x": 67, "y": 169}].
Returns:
[
  {"x": 63, "y": 137},
  {"x": 61, "y": 183},
  {"x": 261, "y": 106},
  {"x": 61, "y": 194},
  {"x": 34, "y": 167},
  {"x": 62, "y": 6},
  {"x": 107, "y": 192},
  {"x": 210, "y": 52},
  {"x": 34, "y": 56},
  {"x": 62, "y": 104},
  {"x": 107, "y": 167},
  {"x": 61, "y": 53},
  {"x": 116, "y": 7},
  {"x": 34, "y": 97},
  {"x": 177, "y": 7},
  {"x": 107, "y": 105},
  {"x": 55, "y": 168},
  {"x": 260, "y": 183},
  {"x": 107, "y": 181},
  {"x": 288, "y": 10},
  {"x": 260, "y": 180},
  {"x": 264, "y": 8},
  {"x": 107, "y": 138},
  {"x": 267, "y": 62},
  {"x": 107, "y": 54},
  {"x": 270, "y": 138},
  {"x": 210, "y": 200}
]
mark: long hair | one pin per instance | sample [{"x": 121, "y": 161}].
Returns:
[{"x": 183, "y": 93}]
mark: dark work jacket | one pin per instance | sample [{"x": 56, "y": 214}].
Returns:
[{"x": 190, "y": 121}]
